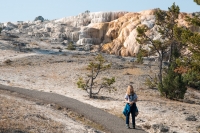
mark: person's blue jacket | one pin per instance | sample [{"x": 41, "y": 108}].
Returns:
[{"x": 127, "y": 109}]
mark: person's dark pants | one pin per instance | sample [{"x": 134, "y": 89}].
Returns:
[{"x": 132, "y": 112}]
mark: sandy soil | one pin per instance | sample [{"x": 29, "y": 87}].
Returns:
[
  {"x": 32, "y": 116},
  {"x": 58, "y": 73}
]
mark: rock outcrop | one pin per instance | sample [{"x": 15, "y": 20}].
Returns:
[{"x": 114, "y": 32}]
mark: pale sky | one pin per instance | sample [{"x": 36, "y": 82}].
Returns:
[{"x": 24, "y": 10}]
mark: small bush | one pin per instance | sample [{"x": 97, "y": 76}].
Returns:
[
  {"x": 0, "y": 30},
  {"x": 89, "y": 83},
  {"x": 71, "y": 46},
  {"x": 151, "y": 82},
  {"x": 139, "y": 58},
  {"x": 191, "y": 78},
  {"x": 142, "y": 53},
  {"x": 8, "y": 61},
  {"x": 173, "y": 85},
  {"x": 39, "y": 18}
]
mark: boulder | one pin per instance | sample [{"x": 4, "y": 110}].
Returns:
[
  {"x": 160, "y": 128},
  {"x": 23, "y": 25},
  {"x": 9, "y": 26},
  {"x": 87, "y": 47},
  {"x": 191, "y": 118}
]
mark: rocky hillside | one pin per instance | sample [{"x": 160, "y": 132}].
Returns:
[
  {"x": 113, "y": 32},
  {"x": 57, "y": 70}
]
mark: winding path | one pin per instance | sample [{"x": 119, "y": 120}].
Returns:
[{"x": 111, "y": 122}]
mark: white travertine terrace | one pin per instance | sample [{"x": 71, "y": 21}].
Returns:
[{"x": 114, "y": 31}]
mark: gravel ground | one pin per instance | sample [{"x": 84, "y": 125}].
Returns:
[
  {"x": 22, "y": 114},
  {"x": 48, "y": 70}
]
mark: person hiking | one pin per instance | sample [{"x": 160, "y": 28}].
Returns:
[{"x": 131, "y": 99}]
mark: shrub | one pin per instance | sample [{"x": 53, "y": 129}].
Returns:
[
  {"x": 71, "y": 46},
  {"x": 191, "y": 78},
  {"x": 151, "y": 82},
  {"x": 39, "y": 18},
  {"x": 173, "y": 86},
  {"x": 139, "y": 58},
  {"x": 0, "y": 30},
  {"x": 91, "y": 82},
  {"x": 142, "y": 53}
]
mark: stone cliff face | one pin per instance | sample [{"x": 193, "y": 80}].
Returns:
[
  {"x": 124, "y": 42},
  {"x": 115, "y": 32}
]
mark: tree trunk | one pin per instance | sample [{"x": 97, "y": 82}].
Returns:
[
  {"x": 91, "y": 84},
  {"x": 172, "y": 47},
  {"x": 170, "y": 54},
  {"x": 160, "y": 68}
]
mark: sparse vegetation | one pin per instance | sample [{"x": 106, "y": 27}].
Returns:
[
  {"x": 39, "y": 18},
  {"x": 87, "y": 11},
  {"x": 0, "y": 30},
  {"x": 95, "y": 67},
  {"x": 18, "y": 116},
  {"x": 191, "y": 79},
  {"x": 70, "y": 46},
  {"x": 58, "y": 73},
  {"x": 190, "y": 64},
  {"x": 197, "y": 1},
  {"x": 173, "y": 85},
  {"x": 167, "y": 43},
  {"x": 151, "y": 82},
  {"x": 140, "y": 57}
]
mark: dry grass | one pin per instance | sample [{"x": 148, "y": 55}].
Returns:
[
  {"x": 34, "y": 43},
  {"x": 19, "y": 116},
  {"x": 80, "y": 118},
  {"x": 83, "y": 120},
  {"x": 146, "y": 126},
  {"x": 144, "y": 94},
  {"x": 134, "y": 71},
  {"x": 24, "y": 117}
]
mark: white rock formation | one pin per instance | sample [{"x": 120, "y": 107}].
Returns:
[
  {"x": 9, "y": 26},
  {"x": 114, "y": 31}
]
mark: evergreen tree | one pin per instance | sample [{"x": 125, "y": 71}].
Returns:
[
  {"x": 173, "y": 85},
  {"x": 190, "y": 63},
  {"x": 90, "y": 82},
  {"x": 197, "y": 1},
  {"x": 165, "y": 21}
]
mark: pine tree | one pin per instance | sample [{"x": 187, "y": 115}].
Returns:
[
  {"x": 190, "y": 62},
  {"x": 89, "y": 83},
  {"x": 174, "y": 86},
  {"x": 171, "y": 83},
  {"x": 197, "y": 1},
  {"x": 166, "y": 21}
]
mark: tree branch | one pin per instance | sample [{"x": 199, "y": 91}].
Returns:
[
  {"x": 102, "y": 86},
  {"x": 98, "y": 70}
]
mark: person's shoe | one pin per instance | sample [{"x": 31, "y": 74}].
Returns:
[
  {"x": 127, "y": 126},
  {"x": 133, "y": 126}
]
